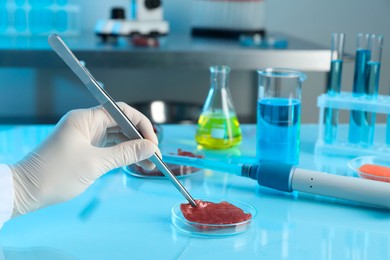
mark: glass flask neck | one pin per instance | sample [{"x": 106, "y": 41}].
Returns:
[
  {"x": 219, "y": 99},
  {"x": 219, "y": 77}
]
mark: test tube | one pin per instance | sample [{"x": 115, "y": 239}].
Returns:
[
  {"x": 373, "y": 73},
  {"x": 334, "y": 85},
  {"x": 359, "y": 85}
]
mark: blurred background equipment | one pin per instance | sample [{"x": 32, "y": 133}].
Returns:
[
  {"x": 38, "y": 17},
  {"x": 168, "y": 112},
  {"x": 228, "y": 18},
  {"x": 145, "y": 19}
]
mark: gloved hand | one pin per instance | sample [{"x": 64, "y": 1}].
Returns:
[{"x": 74, "y": 156}]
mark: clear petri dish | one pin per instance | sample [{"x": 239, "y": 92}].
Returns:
[
  {"x": 201, "y": 229},
  {"x": 356, "y": 163},
  {"x": 179, "y": 171}
]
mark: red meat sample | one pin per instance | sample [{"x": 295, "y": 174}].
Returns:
[
  {"x": 188, "y": 154},
  {"x": 213, "y": 213}
]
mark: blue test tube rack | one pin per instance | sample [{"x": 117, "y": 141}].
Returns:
[
  {"x": 347, "y": 101},
  {"x": 39, "y": 17}
]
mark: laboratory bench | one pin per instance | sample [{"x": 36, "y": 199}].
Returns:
[
  {"x": 125, "y": 217},
  {"x": 175, "y": 51}
]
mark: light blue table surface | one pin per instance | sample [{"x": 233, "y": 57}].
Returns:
[{"x": 125, "y": 217}]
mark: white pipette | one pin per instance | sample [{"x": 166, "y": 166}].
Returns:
[{"x": 288, "y": 178}]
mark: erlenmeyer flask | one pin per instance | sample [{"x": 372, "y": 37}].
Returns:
[{"x": 218, "y": 126}]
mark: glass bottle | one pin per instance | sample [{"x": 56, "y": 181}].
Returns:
[{"x": 218, "y": 126}]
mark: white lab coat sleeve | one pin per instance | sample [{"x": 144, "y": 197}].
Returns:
[{"x": 6, "y": 194}]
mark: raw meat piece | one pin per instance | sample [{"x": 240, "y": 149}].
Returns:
[
  {"x": 186, "y": 153},
  {"x": 214, "y": 213}
]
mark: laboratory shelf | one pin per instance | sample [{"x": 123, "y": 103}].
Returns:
[{"x": 175, "y": 51}]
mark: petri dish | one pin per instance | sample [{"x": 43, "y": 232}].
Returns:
[
  {"x": 356, "y": 163},
  {"x": 201, "y": 229},
  {"x": 178, "y": 170}
]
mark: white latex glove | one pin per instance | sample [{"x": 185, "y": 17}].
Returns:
[{"x": 74, "y": 156}]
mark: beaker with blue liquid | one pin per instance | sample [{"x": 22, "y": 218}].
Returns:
[{"x": 278, "y": 115}]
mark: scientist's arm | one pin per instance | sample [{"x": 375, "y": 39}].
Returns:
[{"x": 84, "y": 145}]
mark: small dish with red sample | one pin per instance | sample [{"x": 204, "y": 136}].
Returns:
[
  {"x": 213, "y": 217},
  {"x": 371, "y": 167},
  {"x": 178, "y": 170}
]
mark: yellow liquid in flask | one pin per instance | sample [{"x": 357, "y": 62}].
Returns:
[{"x": 218, "y": 131}]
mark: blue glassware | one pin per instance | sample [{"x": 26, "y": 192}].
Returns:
[
  {"x": 372, "y": 84},
  {"x": 278, "y": 115},
  {"x": 334, "y": 86},
  {"x": 357, "y": 119}
]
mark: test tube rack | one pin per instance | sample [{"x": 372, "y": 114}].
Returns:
[
  {"x": 38, "y": 17},
  {"x": 347, "y": 101}
]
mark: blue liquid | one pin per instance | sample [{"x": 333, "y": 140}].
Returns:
[
  {"x": 360, "y": 76},
  {"x": 334, "y": 80},
  {"x": 331, "y": 114},
  {"x": 359, "y": 88},
  {"x": 373, "y": 69},
  {"x": 278, "y": 130}
]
